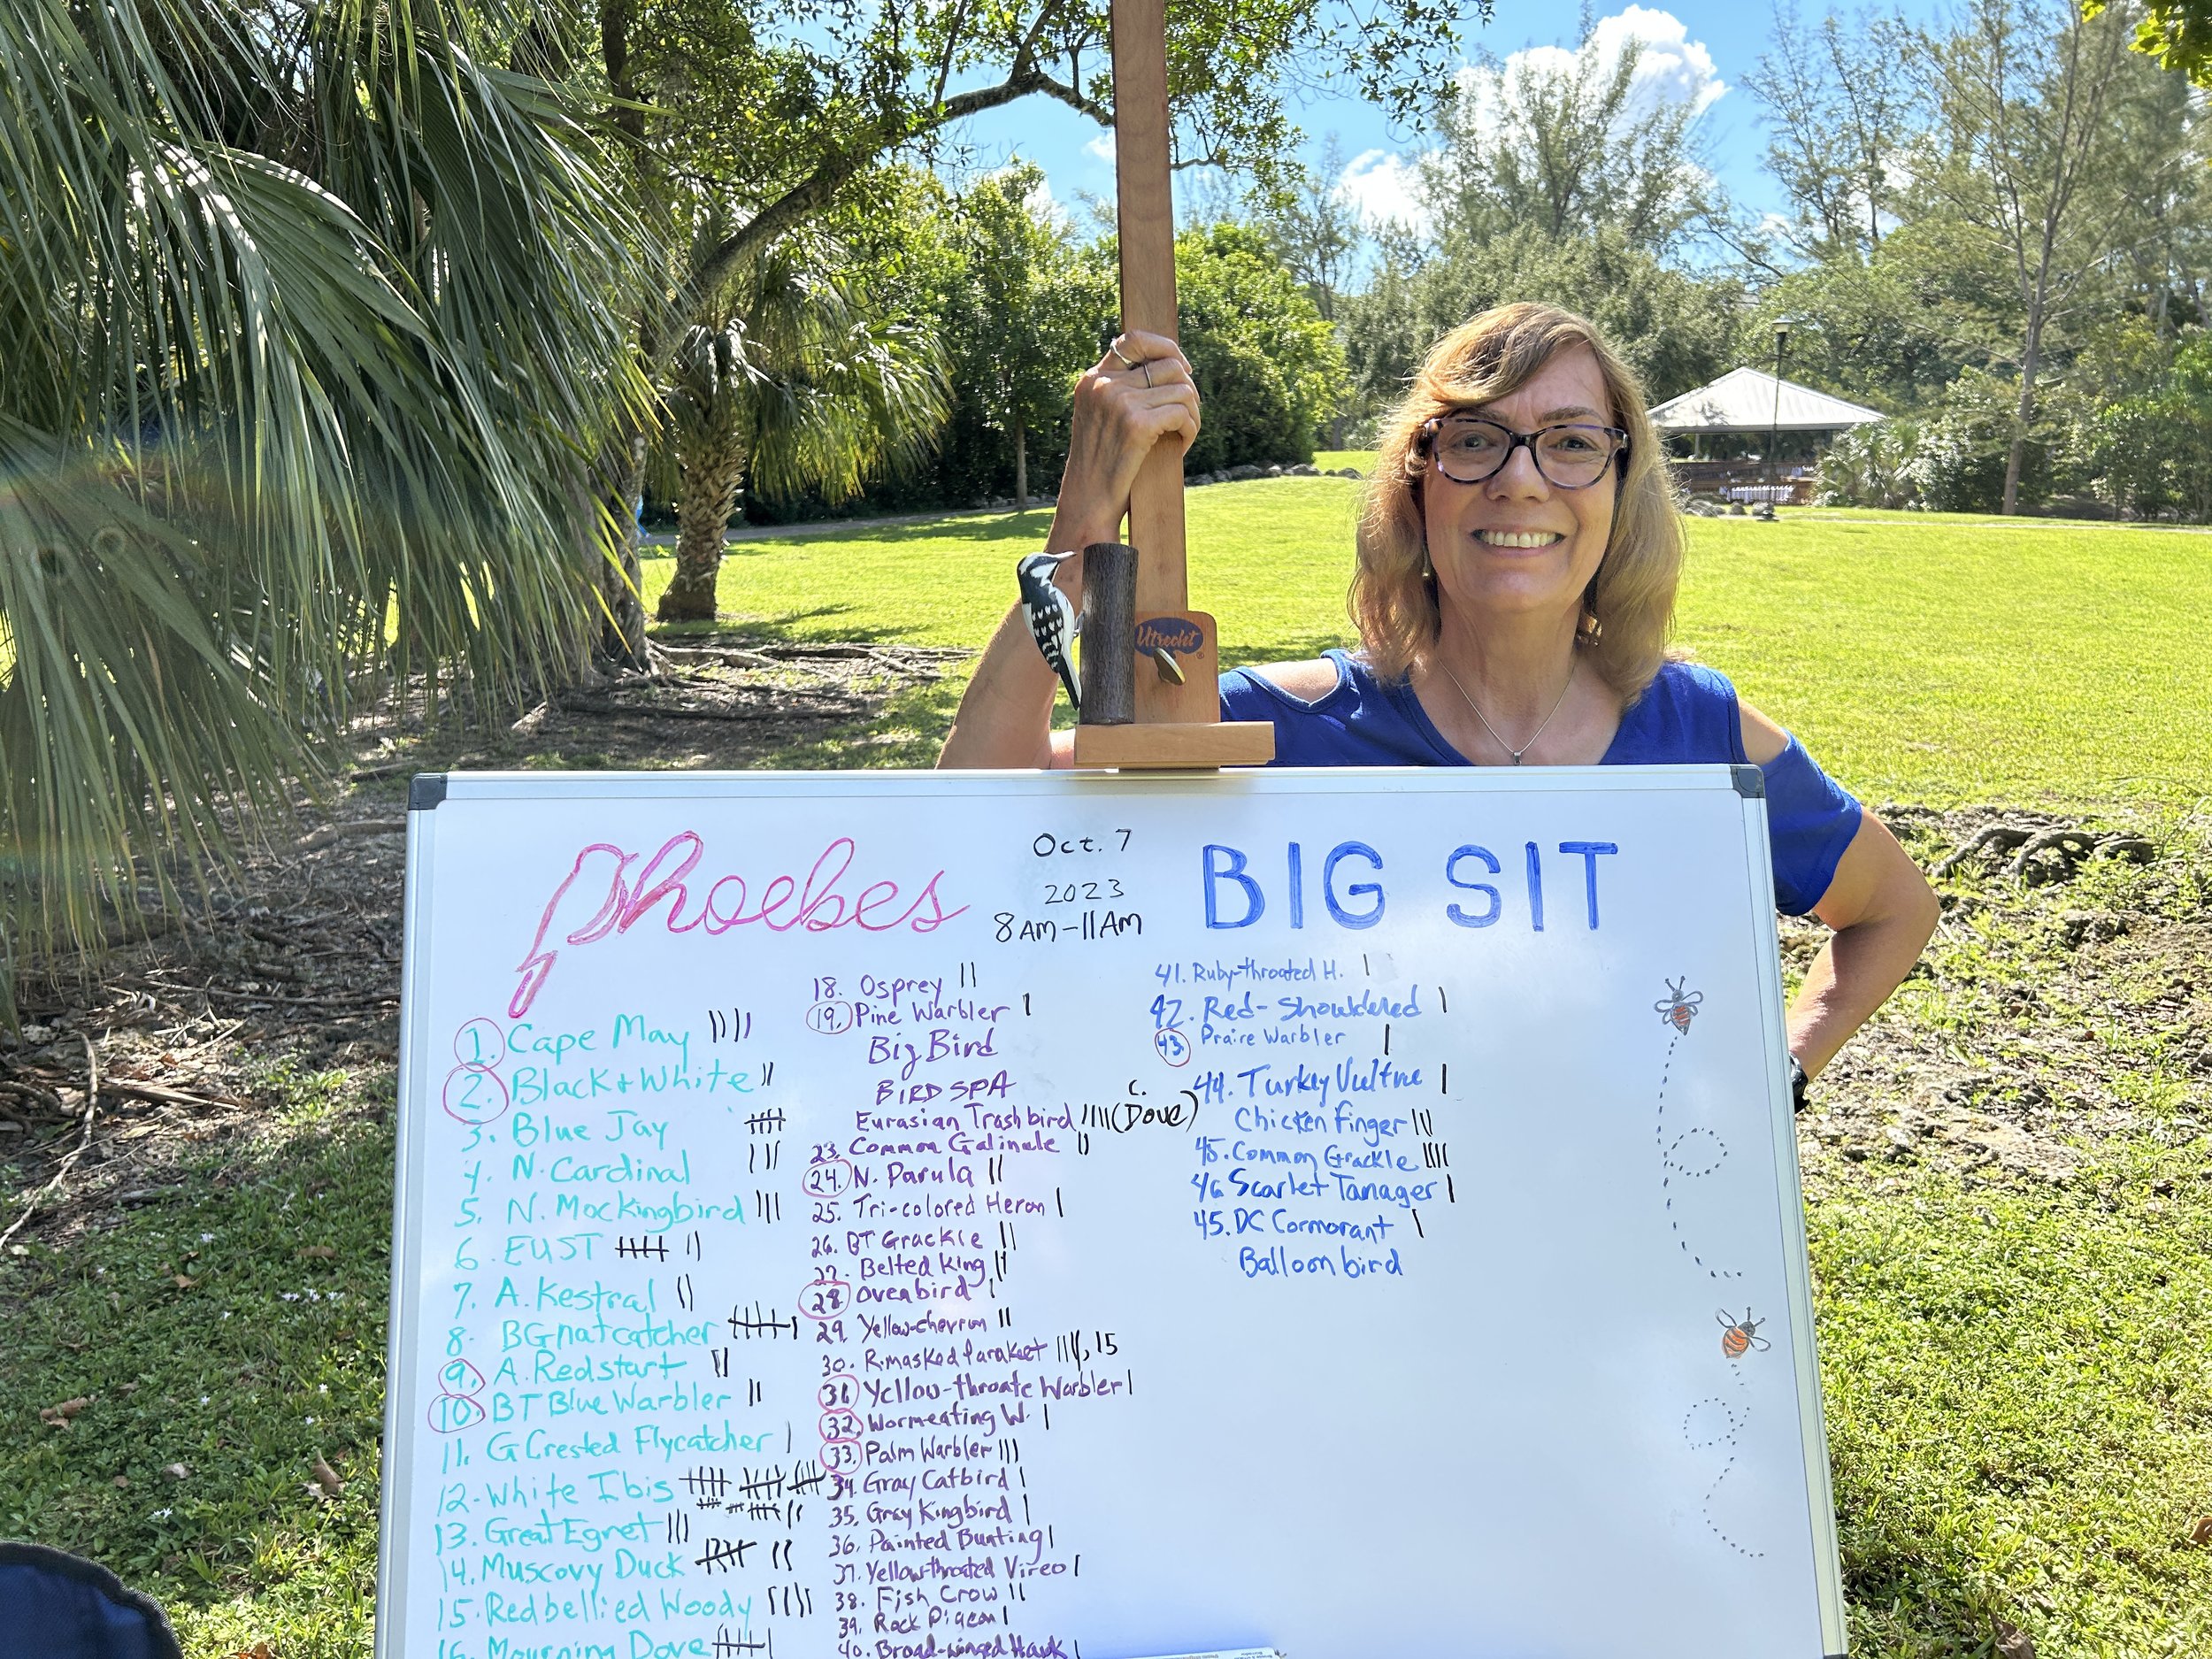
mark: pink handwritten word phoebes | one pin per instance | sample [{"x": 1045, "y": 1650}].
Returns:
[{"x": 814, "y": 904}]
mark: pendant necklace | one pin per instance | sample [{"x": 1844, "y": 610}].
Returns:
[{"x": 1532, "y": 736}]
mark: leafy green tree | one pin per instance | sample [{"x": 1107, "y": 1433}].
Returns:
[
  {"x": 1676, "y": 329},
  {"x": 1570, "y": 148},
  {"x": 1560, "y": 180},
  {"x": 2129, "y": 446},
  {"x": 787, "y": 113},
  {"x": 1896, "y": 325},
  {"x": 1267, "y": 364},
  {"x": 307, "y": 315},
  {"x": 1022, "y": 309},
  {"x": 1317, "y": 234},
  {"x": 2162, "y": 267},
  {"x": 2188, "y": 409},
  {"x": 1843, "y": 105},
  {"x": 1869, "y": 467},
  {"x": 2177, "y": 32},
  {"x": 2159, "y": 442},
  {"x": 797, "y": 382},
  {"x": 1966, "y": 450},
  {"x": 791, "y": 107},
  {"x": 2024, "y": 152}
]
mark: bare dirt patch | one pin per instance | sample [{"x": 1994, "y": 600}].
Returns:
[
  {"x": 729, "y": 704},
  {"x": 2066, "y": 999}
]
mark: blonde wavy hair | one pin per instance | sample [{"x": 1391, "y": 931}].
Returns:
[{"x": 1627, "y": 610}]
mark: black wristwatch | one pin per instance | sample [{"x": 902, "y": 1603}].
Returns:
[{"x": 1798, "y": 1082}]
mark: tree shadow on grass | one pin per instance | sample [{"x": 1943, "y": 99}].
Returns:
[
  {"x": 1293, "y": 649},
  {"x": 789, "y": 627},
  {"x": 224, "y": 1337},
  {"x": 906, "y": 731},
  {"x": 1028, "y": 528}
]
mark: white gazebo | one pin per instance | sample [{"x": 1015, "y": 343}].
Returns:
[{"x": 1718, "y": 434}]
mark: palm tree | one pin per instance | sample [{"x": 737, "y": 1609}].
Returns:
[
  {"x": 309, "y": 334},
  {"x": 790, "y": 381}
]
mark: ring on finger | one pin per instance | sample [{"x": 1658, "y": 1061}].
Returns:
[
  {"x": 1147, "y": 367},
  {"x": 1122, "y": 357}
]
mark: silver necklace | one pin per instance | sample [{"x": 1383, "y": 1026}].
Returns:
[{"x": 1532, "y": 736}]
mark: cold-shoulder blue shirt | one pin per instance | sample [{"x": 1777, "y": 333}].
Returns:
[{"x": 1688, "y": 713}]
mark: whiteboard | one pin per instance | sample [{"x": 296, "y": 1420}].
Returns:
[{"x": 884, "y": 1215}]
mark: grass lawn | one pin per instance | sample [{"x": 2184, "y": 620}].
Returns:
[
  {"x": 226, "y": 1338},
  {"x": 1921, "y": 657},
  {"x": 2019, "y": 1370}
]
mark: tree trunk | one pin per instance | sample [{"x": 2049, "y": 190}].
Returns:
[
  {"x": 1021, "y": 468},
  {"x": 622, "y": 642},
  {"x": 702, "y": 522},
  {"x": 581, "y": 490},
  {"x": 622, "y": 639},
  {"x": 2029, "y": 360}
]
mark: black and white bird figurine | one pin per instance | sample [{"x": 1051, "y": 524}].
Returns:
[{"x": 1052, "y": 618}]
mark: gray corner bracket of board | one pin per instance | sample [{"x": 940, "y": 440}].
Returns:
[
  {"x": 1751, "y": 783},
  {"x": 426, "y": 789}
]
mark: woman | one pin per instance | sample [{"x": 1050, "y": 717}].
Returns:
[{"x": 1514, "y": 588}]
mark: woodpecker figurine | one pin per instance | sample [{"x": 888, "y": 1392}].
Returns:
[{"x": 1052, "y": 620}]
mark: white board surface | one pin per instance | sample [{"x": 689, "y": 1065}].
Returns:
[{"x": 889, "y": 1216}]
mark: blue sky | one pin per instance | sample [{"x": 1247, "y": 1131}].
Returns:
[{"x": 1705, "y": 47}]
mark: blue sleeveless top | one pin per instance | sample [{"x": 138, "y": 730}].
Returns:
[{"x": 1687, "y": 713}]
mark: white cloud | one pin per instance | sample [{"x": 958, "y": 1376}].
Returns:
[
  {"x": 1102, "y": 147},
  {"x": 1672, "y": 68},
  {"x": 1042, "y": 204},
  {"x": 1380, "y": 186}
]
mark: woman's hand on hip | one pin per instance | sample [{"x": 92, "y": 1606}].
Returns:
[{"x": 1120, "y": 412}]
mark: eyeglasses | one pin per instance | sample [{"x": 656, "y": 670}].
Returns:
[{"x": 1467, "y": 451}]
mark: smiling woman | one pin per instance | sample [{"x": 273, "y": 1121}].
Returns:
[{"x": 1514, "y": 590}]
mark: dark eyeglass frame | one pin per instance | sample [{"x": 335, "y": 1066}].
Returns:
[{"x": 1434, "y": 424}]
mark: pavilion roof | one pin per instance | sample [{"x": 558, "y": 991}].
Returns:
[{"x": 1743, "y": 399}]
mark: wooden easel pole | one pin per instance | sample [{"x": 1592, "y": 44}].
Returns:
[
  {"x": 1159, "y": 702},
  {"x": 1148, "y": 280}
]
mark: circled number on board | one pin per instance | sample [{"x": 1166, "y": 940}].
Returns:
[{"x": 473, "y": 1095}]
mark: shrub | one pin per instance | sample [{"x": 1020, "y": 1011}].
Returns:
[
  {"x": 1269, "y": 367},
  {"x": 1959, "y": 464},
  {"x": 1870, "y": 466}
]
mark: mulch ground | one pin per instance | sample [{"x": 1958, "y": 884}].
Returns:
[{"x": 126, "y": 1067}]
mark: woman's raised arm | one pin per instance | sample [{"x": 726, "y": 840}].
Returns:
[{"x": 1139, "y": 393}]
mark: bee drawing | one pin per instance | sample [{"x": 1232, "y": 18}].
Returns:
[
  {"x": 1676, "y": 1007},
  {"x": 1737, "y": 1336}
]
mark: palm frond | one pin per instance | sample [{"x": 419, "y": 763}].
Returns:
[
  {"x": 312, "y": 327},
  {"x": 841, "y": 395}
]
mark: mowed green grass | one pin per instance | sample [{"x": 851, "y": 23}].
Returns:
[
  {"x": 1921, "y": 657},
  {"x": 224, "y": 1338}
]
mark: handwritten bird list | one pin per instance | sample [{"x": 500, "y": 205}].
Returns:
[{"x": 742, "y": 1309}]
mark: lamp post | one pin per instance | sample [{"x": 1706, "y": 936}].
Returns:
[{"x": 1782, "y": 327}]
